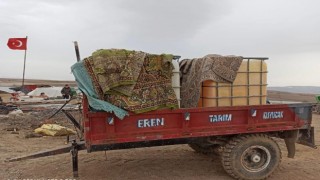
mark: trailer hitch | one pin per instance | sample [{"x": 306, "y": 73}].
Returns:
[{"x": 72, "y": 148}]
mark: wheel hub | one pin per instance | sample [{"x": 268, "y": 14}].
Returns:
[{"x": 255, "y": 158}]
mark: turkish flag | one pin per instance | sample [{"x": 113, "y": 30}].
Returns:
[{"x": 17, "y": 43}]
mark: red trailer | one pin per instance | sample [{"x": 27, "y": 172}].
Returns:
[{"x": 244, "y": 135}]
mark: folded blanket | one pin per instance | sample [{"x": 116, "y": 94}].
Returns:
[
  {"x": 132, "y": 80},
  {"x": 211, "y": 67}
]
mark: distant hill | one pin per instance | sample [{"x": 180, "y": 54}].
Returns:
[
  {"x": 297, "y": 89},
  {"x": 292, "y": 97}
]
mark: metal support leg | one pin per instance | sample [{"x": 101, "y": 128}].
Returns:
[
  {"x": 291, "y": 146},
  {"x": 74, "y": 153},
  {"x": 290, "y": 140}
]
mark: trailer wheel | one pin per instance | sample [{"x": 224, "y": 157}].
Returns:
[
  {"x": 204, "y": 148},
  {"x": 251, "y": 157}
]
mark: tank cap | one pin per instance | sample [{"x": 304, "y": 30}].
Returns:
[{"x": 176, "y": 57}]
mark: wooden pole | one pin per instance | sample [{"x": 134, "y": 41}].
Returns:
[
  {"x": 24, "y": 64},
  {"x": 76, "y": 47}
]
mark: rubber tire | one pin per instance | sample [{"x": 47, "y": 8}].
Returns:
[
  {"x": 231, "y": 156},
  {"x": 197, "y": 147}
]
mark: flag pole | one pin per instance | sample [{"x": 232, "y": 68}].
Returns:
[{"x": 24, "y": 64}]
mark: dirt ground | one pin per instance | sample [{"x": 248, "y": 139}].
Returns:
[{"x": 168, "y": 162}]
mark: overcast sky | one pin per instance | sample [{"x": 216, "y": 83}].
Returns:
[{"x": 286, "y": 31}]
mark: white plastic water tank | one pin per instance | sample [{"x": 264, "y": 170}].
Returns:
[{"x": 176, "y": 79}]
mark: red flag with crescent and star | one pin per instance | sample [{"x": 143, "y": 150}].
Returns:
[{"x": 17, "y": 43}]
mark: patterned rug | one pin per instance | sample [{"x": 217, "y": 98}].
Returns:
[
  {"x": 211, "y": 67},
  {"x": 115, "y": 71},
  {"x": 132, "y": 80},
  {"x": 86, "y": 86}
]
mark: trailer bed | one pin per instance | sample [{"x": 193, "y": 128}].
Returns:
[{"x": 104, "y": 130}]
